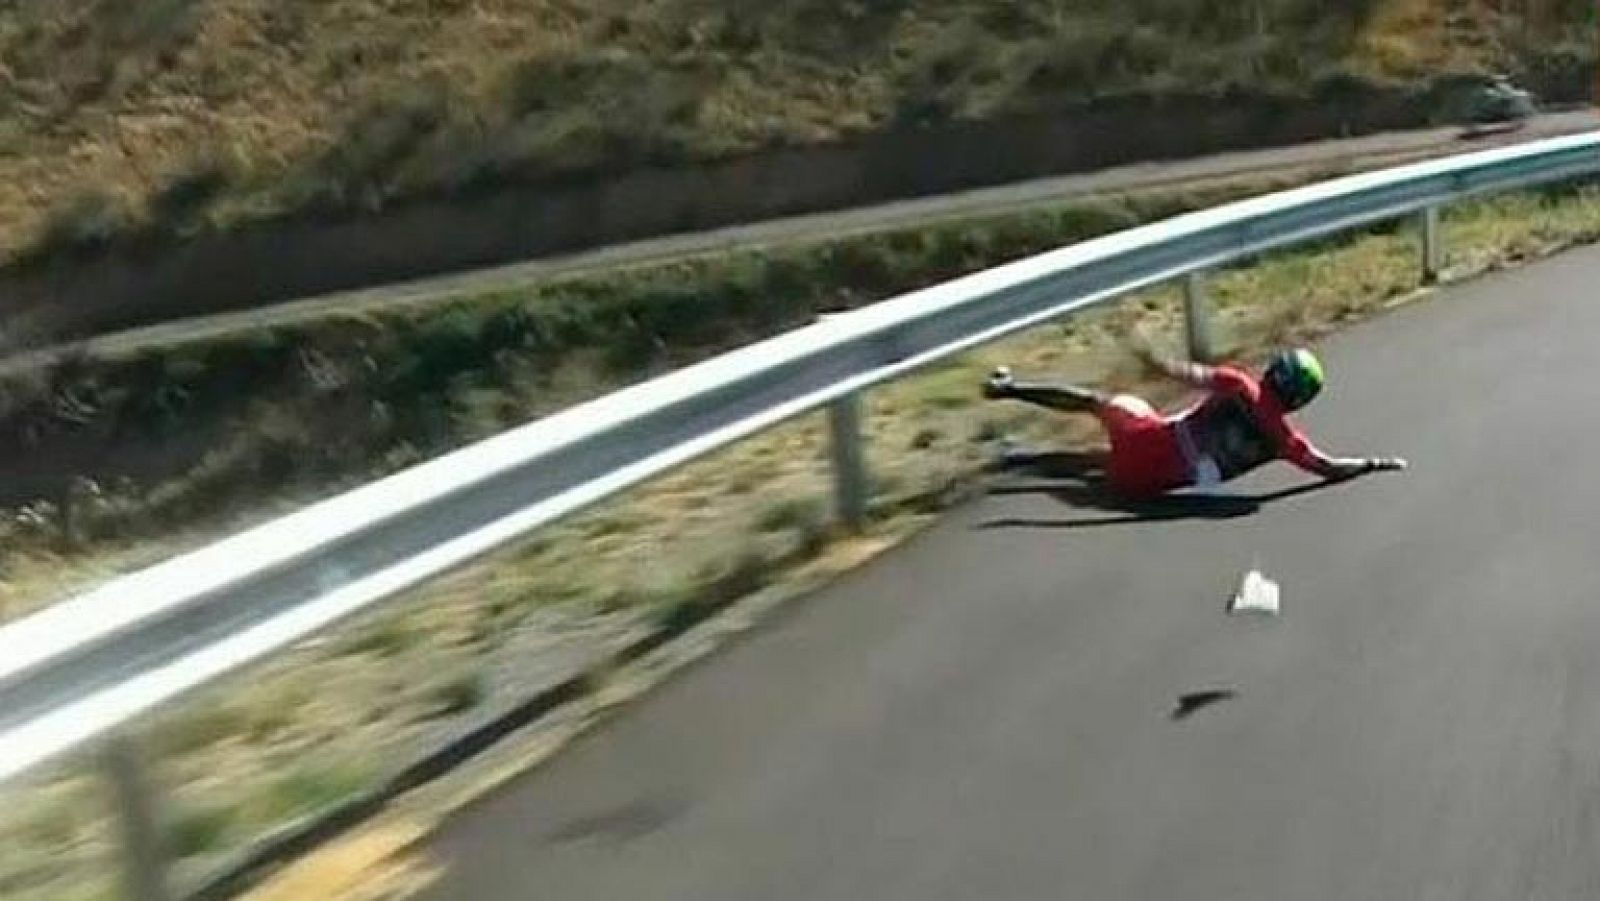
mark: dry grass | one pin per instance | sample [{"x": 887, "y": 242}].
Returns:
[
  {"x": 177, "y": 116},
  {"x": 364, "y": 869},
  {"x": 326, "y": 721}
]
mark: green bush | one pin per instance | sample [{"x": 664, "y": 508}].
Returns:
[
  {"x": 308, "y": 789},
  {"x": 458, "y": 694},
  {"x": 198, "y": 830}
]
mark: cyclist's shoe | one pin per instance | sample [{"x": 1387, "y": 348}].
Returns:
[{"x": 999, "y": 383}]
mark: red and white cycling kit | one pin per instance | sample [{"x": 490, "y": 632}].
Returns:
[{"x": 1236, "y": 428}]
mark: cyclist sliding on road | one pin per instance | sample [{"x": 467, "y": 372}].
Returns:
[{"x": 1241, "y": 424}]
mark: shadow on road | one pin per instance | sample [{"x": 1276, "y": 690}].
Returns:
[
  {"x": 1194, "y": 702},
  {"x": 1083, "y": 466},
  {"x": 1092, "y": 495},
  {"x": 625, "y": 823}
]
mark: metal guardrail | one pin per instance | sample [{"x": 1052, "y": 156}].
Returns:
[{"x": 81, "y": 669}]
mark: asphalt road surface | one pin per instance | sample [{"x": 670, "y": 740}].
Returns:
[
  {"x": 1370, "y": 151},
  {"x": 998, "y": 710}
]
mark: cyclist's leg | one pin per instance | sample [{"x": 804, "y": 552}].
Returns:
[
  {"x": 1143, "y": 461},
  {"x": 1062, "y": 397},
  {"x": 1125, "y": 414}
]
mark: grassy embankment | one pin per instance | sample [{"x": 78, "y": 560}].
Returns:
[{"x": 151, "y": 122}]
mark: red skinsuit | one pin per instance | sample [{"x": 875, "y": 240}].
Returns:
[{"x": 1235, "y": 429}]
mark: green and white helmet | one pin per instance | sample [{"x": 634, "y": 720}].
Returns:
[{"x": 1295, "y": 377}]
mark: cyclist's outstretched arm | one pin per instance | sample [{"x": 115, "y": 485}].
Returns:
[{"x": 1305, "y": 455}]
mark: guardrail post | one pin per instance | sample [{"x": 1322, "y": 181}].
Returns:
[
  {"x": 849, "y": 462},
  {"x": 1432, "y": 246},
  {"x": 1197, "y": 318},
  {"x": 144, "y": 861}
]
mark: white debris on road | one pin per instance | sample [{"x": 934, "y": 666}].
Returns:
[{"x": 1258, "y": 594}]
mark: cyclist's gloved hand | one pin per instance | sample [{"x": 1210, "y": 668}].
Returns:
[{"x": 1386, "y": 464}]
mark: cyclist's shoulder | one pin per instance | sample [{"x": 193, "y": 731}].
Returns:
[{"x": 1233, "y": 378}]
